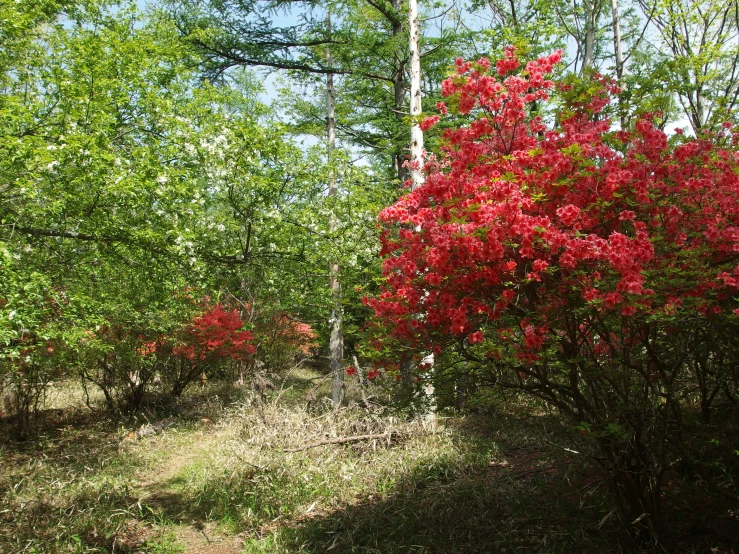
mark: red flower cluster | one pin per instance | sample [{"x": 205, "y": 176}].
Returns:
[
  {"x": 295, "y": 335},
  {"x": 517, "y": 217},
  {"x": 216, "y": 334},
  {"x": 428, "y": 122}
]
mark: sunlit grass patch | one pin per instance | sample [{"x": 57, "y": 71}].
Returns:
[{"x": 249, "y": 483}]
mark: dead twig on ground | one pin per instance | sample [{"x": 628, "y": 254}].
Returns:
[{"x": 355, "y": 438}]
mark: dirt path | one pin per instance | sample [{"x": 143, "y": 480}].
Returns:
[{"x": 158, "y": 489}]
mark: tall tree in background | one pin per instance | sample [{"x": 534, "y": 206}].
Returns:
[
  {"x": 368, "y": 55},
  {"x": 336, "y": 342},
  {"x": 246, "y": 33},
  {"x": 699, "y": 53},
  {"x": 617, "y": 40},
  {"x": 118, "y": 163},
  {"x": 372, "y": 101}
]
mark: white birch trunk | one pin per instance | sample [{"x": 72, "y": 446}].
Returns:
[
  {"x": 417, "y": 171},
  {"x": 416, "y": 109}
]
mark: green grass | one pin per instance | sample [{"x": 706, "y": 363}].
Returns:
[
  {"x": 454, "y": 491},
  {"x": 70, "y": 490},
  {"x": 482, "y": 483},
  {"x": 436, "y": 493}
]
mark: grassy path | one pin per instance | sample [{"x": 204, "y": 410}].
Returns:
[{"x": 159, "y": 488}]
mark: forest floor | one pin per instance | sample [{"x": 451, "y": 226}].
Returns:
[{"x": 230, "y": 475}]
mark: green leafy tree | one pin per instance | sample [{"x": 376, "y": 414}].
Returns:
[{"x": 127, "y": 181}]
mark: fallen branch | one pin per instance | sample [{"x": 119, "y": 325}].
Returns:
[
  {"x": 341, "y": 440},
  {"x": 153, "y": 429},
  {"x": 562, "y": 447}
]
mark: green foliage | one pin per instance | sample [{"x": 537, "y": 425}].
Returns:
[{"x": 125, "y": 182}]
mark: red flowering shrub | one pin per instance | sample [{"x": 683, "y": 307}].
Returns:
[
  {"x": 282, "y": 338},
  {"x": 595, "y": 269},
  {"x": 217, "y": 334},
  {"x": 297, "y": 336},
  {"x": 212, "y": 338},
  {"x": 216, "y": 340}
]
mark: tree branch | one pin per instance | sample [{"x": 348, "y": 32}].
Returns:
[{"x": 342, "y": 440}]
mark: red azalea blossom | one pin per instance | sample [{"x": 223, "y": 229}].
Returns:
[
  {"x": 517, "y": 217},
  {"x": 428, "y": 122},
  {"x": 476, "y": 337},
  {"x": 216, "y": 333}
]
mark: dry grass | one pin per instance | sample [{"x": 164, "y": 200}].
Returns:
[
  {"x": 220, "y": 481},
  {"x": 69, "y": 395}
]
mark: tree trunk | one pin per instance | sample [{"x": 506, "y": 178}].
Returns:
[
  {"x": 591, "y": 18},
  {"x": 617, "y": 42},
  {"x": 619, "y": 57},
  {"x": 416, "y": 108},
  {"x": 461, "y": 389},
  {"x": 336, "y": 342},
  {"x": 399, "y": 86},
  {"x": 417, "y": 171}
]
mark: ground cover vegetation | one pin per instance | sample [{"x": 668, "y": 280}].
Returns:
[
  {"x": 225, "y": 303},
  {"x": 232, "y": 474}
]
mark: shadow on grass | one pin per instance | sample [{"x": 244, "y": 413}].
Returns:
[
  {"x": 71, "y": 488},
  {"x": 76, "y": 441},
  {"x": 508, "y": 489},
  {"x": 527, "y": 497},
  {"x": 523, "y": 500},
  {"x": 82, "y": 437}
]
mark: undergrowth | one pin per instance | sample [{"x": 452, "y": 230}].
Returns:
[{"x": 248, "y": 469}]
